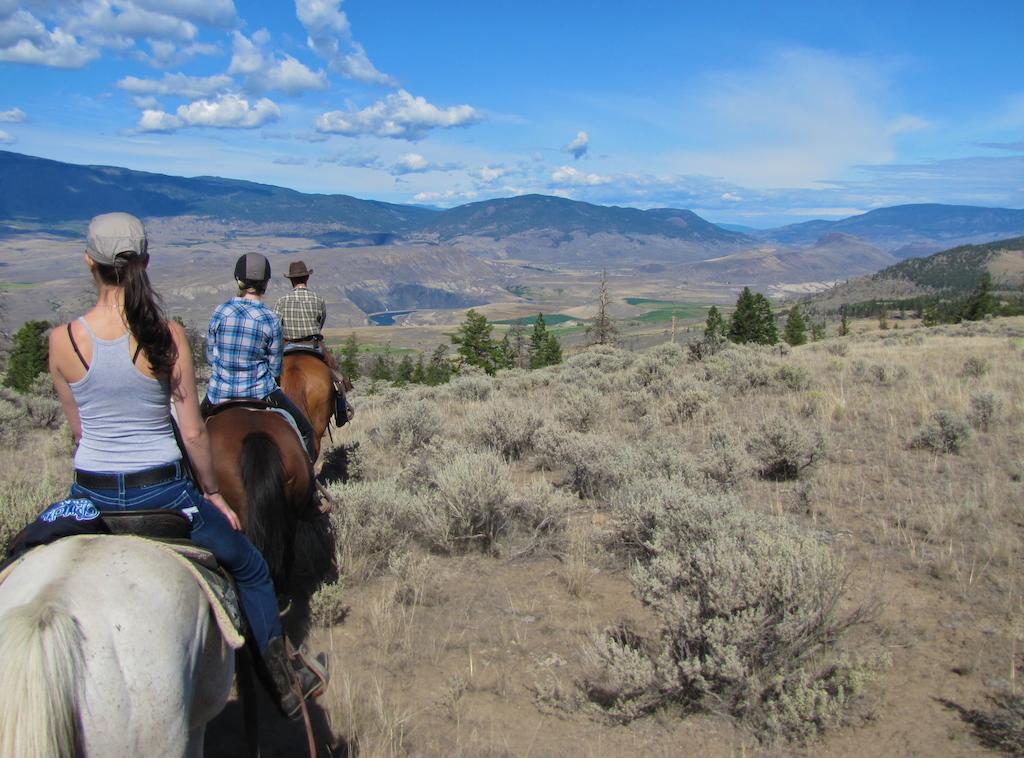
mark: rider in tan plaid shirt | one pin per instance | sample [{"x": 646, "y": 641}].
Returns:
[{"x": 302, "y": 315}]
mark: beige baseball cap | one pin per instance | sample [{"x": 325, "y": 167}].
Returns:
[{"x": 114, "y": 238}]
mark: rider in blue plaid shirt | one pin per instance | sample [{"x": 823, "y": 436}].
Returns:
[{"x": 244, "y": 348}]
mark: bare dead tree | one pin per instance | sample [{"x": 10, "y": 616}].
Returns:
[{"x": 602, "y": 330}]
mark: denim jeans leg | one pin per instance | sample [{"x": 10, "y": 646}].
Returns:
[
  {"x": 210, "y": 530},
  {"x": 278, "y": 399},
  {"x": 238, "y": 555}
]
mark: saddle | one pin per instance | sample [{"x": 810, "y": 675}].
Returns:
[
  {"x": 306, "y": 348},
  {"x": 256, "y": 405}
]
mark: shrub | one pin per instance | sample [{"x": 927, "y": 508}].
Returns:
[
  {"x": 795, "y": 378},
  {"x": 410, "y": 426},
  {"x": 579, "y": 408},
  {"x": 947, "y": 433},
  {"x": 605, "y": 358},
  {"x": 593, "y": 462},
  {"x": 724, "y": 461},
  {"x": 475, "y": 387},
  {"x": 886, "y": 374},
  {"x": 784, "y": 449},
  {"x": 986, "y": 409},
  {"x": 975, "y": 368},
  {"x": 508, "y": 428},
  {"x": 838, "y": 349},
  {"x": 740, "y": 368},
  {"x": 327, "y": 605},
  {"x": 14, "y": 423},
  {"x": 375, "y": 522},
  {"x": 652, "y": 372},
  {"x": 476, "y": 503},
  {"x": 473, "y": 494},
  {"x": 684, "y": 398},
  {"x": 745, "y": 603}
]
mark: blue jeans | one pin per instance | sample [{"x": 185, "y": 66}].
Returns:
[{"x": 210, "y": 530}]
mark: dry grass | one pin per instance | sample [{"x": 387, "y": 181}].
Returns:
[{"x": 456, "y": 652}]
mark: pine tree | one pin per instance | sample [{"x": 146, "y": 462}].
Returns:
[
  {"x": 439, "y": 371},
  {"x": 844, "y": 325},
  {"x": 419, "y": 372},
  {"x": 552, "y": 350},
  {"x": 714, "y": 330},
  {"x": 349, "y": 363},
  {"x": 539, "y": 343},
  {"x": 404, "y": 371},
  {"x": 505, "y": 356},
  {"x": 981, "y": 303},
  {"x": 476, "y": 346},
  {"x": 29, "y": 355},
  {"x": 765, "y": 330},
  {"x": 601, "y": 330},
  {"x": 743, "y": 324},
  {"x": 796, "y": 330},
  {"x": 818, "y": 331},
  {"x": 383, "y": 368}
]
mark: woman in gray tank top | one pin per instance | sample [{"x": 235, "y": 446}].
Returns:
[{"x": 117, "y": 371}]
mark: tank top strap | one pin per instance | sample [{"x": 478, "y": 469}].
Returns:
[{"x": 88, "y": 328}]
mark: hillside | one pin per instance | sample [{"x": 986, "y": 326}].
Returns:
[
  {"x": 833, "y": 256},
  {"x": 954, "y": 272},
  {"x": 505, "y": 217},
  {"x": 912, "y": 230}
]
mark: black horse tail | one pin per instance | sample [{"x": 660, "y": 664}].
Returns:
[{"x": 266, "y": 527}]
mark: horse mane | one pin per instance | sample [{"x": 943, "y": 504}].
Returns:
[{"x": 41, "y": 665}]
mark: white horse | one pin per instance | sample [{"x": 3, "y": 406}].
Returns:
[{"x": 107, "y": 648}]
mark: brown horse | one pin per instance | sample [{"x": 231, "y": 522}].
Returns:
[
  {"x": 265, "y": 475},
  {"x": 306, "y": 379}
]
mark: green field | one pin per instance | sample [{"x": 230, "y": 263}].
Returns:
[
  {"x": 663, "y": 310},
  {"x": 550, "y": 319}
]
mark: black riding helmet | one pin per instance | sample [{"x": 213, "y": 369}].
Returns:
[{"x": 252, "y": 271}]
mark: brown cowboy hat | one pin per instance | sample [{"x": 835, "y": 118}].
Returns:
[{"x": 297, "y": 270}]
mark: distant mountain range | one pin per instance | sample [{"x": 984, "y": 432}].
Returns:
[
  {"x": 42, "y": 194},
  {"x": 909, "y": 231}
]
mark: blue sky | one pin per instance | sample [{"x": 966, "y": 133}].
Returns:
[{"x": 747, "y": 112}]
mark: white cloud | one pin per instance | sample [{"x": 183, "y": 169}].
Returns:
[
  {"x": 263, "y": 72},
  {"x": 145, "y": 102},
  {"x": 330, "y": 37},
  {"x": 291, "y": 161},
  {"x": 212, "y": 12},
  {"x": 579, "y": 145},
  {"x": 398, "y": 116},
  {"x": 489, "y": 174},
  {"x": 27, "y": 41},
  {"x": 732, "y": 197},
  {"x": 71, "y": 34},
  {"x": 411, "y": 162},
  {"x": 158, "y": 121},
  {"x": 569, "y": 176},
  {"x": 797, "y": 119},
  {"x": 176, "y": 85},
  {"x": 447, "y": 197},
  {"x": 414, "y": 163},
  {"x": 226, "y": 112},
  {"x": 6, "y": 138},
  {"x": 13, "y": 116}
]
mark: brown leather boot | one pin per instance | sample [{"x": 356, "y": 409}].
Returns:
[{"x": 291, "y": 674}]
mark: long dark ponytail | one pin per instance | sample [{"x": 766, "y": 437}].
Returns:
[{"x": 143, "y": 309}]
